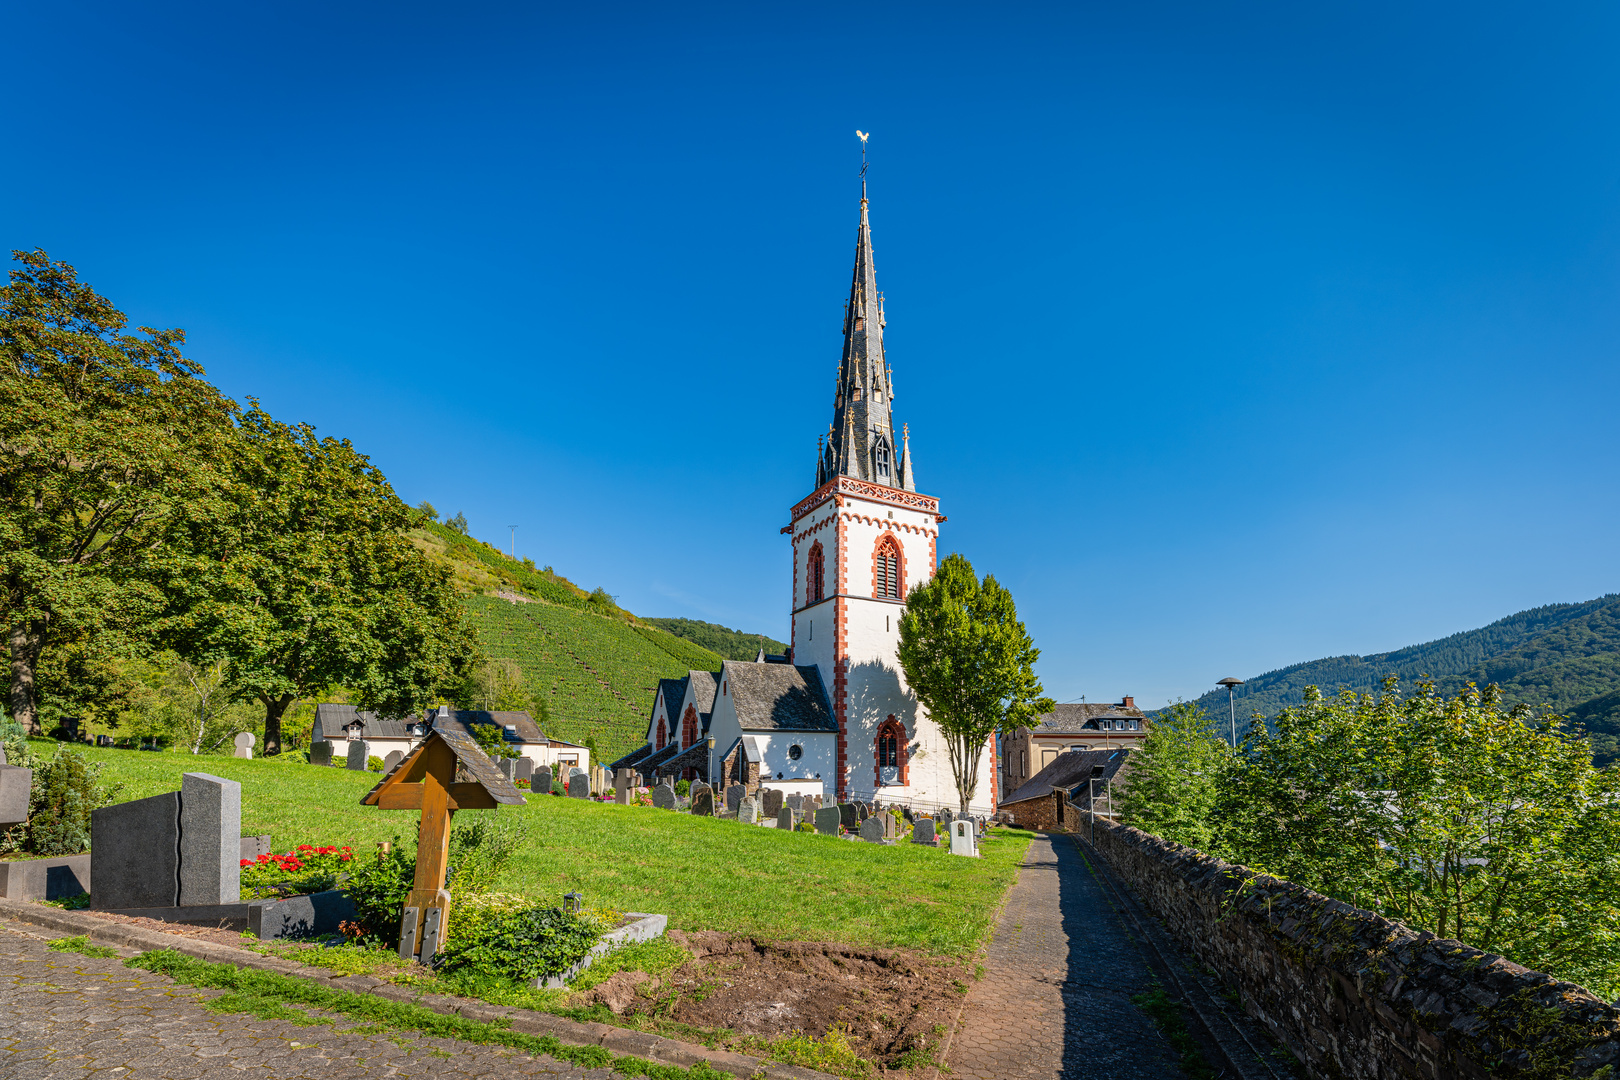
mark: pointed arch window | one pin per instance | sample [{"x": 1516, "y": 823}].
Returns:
[
  {"x": 880, "y": 461},
  {"x": 888, "y": 569},
  {"x": 891, "y": 764},
  {"x": 689, "y": 727},
  {"x": 663, "y": 733},
  {"x": 815, "y": 585}
]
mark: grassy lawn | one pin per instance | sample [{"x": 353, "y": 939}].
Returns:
[{"x": 703, "y": 873}]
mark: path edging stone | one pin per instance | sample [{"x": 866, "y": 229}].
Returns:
[{"x": 619, "y": 1040}]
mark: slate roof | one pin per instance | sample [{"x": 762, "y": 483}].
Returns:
[
  {"x": 1082, "y": 717},
  {"x": 527, "y": 730},
  {"x": 705, "y": 686},
  {"x": 1072, "y": 770},
  {"x": 657, "y": 760},
  {"x": 779, "y": 697},
  {"x": 695, "y": 756},
  {"x": 674, "y": 691},
  {"x": 630, "y": 759},
  {"x": 470, "y": 760},
  {"x": 334, "y": 717}
]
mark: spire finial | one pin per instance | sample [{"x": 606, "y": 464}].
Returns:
[{"x": 863, "y": 135}]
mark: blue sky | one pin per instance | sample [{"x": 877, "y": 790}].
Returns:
[{"x": 1227, "y": 338}]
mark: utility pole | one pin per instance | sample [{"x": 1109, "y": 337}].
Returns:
[
  {"x": 514, "y": 541},
  {"x": 1231, "y": 684}
]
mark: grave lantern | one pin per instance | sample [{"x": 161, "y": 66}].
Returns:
[
  {"x": 573, "y": 903},
  {"x": 443, "y": 773}
]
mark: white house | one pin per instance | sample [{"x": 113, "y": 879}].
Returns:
[
  {"x": 773, "y": 726},
  {"x": 338, "y": 723}
]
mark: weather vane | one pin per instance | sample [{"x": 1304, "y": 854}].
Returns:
[{"x": 864, "y": 135}]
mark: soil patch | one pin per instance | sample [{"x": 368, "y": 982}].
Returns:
[{"x": 887, "y": 1001}]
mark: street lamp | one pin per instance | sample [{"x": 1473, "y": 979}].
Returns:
[
  {"x": 1231, "y": 684},
  {"x": 710, "y": 741}
]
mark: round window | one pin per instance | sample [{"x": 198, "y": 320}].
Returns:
[{"x": 795, "y": 751}]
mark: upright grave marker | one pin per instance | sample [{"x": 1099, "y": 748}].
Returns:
[
  {"x": 828, "y": 820},
  {"x": 734, "y": 797},
  {"x": 787, "y": 819},
  {"x": 426, "y": 781},
  {"x": 663, "y": 798},
  {"x": 320, "y": 753},
  {"x": 962, "y": 838},
  {"x": 702, "y": 800},
  {"x": 359, "y": 750},
  {"x": 922, "y": 832},
  {"x": 542, "y": 780},
  {"x": 849, "y": 816},
  {"x": 872, "y": 831},
  {"x": 394, "y": 758},
  {"x": 210, "y": 840},
  {"x": 748, "y": 810},
  {"x": 772, "y": 804},
  {"x": 579, "y": 784},
  {"x": 244, "y": 745}
]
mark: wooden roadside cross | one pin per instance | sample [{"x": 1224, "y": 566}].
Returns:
[{"x": 445, "y": 772}]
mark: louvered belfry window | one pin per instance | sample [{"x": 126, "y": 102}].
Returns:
[{"x": 886, "y": 569}]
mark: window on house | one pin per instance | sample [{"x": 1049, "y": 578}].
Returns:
[
  {"x": 888, "y": 751},
  {"x": 881, "y": 455},
  {"x": 795, "y": 752}
]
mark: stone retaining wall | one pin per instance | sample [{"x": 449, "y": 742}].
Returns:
[{"x": 1353, "y": 994}]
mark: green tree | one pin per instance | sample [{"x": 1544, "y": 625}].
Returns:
[
  {"x": 307, "y": 581},
  {"x": 495, "y": 685},
  {"x": 1480, "y": 823},
  {"x": 971, "y": 664},
  {"x": 1178, "y": 777},
  {"x": 103, "y": 435}
]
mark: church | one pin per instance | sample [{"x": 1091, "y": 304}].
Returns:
[{"x": 835, "y": 712}]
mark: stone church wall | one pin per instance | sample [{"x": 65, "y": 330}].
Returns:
[{"x": 1353, "y": 994}]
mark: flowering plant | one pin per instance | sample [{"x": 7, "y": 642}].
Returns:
[{"x": 304, "y": 869}]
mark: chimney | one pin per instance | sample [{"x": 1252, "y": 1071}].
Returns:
[{"x": 1129, "y": 702}]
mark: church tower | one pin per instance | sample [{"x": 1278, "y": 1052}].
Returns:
[{"x": 861, "y": 540}]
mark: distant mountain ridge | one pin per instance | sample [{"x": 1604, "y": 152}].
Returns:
[
  {"x": 1563, "y": 656},
  {"x": 732, "y": 644}
]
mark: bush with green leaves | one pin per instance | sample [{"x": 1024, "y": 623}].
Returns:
[
  {"x": 66, "y": 788},
  {"x": 480, "y": 851},
  {"x": 374, "y": 763},
  {"x": 683, "y": 788},
  {"x": 378, "y": 889},
  {"x": 518, "y": 946}
]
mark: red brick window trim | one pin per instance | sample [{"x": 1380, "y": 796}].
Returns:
[
  {"x": 815, "y": 586},
  {"x": 891, "y": 750},
  {"x": 663, "y": 733},
  {"x": 689, "y": 727},
  {"x": 888, "y": 568}
]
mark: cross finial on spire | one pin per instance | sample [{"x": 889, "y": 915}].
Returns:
[{"x": 863, "y": 135}]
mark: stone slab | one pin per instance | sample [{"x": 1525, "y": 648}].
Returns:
[
  {"x": 45, "y": 879},
  {"x": 849, "y": 816},
  {"x": 828, "y": 820},
  {"x": 542, "y": 779},
  {"x": 16, "y": 785},
  {"x": 872, "y": 831},
  {"x": 359, "y": 750},
  {"x": 923, "y": 832},
  {"x": 320, "y": 753},
  {"x": 786, "y": 818},
  {"x": 663, "y": 798},
  {"x": 300, "y": 916},
  {"x": 579, "y": 784},
  {"x": 703, "y": 801},
  {"x": 135, "y": 853},
  {"x": 210, "y": 839},
  {"x": 771, "y": 802}
]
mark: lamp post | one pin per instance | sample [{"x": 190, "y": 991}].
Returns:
[
  {"x": 710, "y": 742},
  {"x": 1231, "y": 684}
]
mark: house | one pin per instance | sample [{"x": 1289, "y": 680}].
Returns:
[
  {"x": 520, "y": 732},
  {"x": 773, "y": 726},
  {"x": 338, "y": 723},
  {"x": 1024, "y": 753},
  {"x": 1059, "y": 796}
]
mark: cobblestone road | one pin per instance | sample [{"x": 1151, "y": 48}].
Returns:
[
  {"x": 64, "y": 1015},
  {"x": 1055, "y": 999}
]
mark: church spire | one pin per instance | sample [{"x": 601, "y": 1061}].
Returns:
[{"x": 863, "y": 443}]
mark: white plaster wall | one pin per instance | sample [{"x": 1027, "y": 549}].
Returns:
[
  {"x": 820, "y": 755},
  {"x": 864, "y": 522},
  {"x": 805, "y": 536},
  {"x": 661, "y": 711}
]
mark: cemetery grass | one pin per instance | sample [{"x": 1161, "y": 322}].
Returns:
[{"x": 703, "y": 873}]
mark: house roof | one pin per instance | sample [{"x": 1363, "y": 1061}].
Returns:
[
  {"x": 779, "y": 697},
  {"x": 1072, "y": 770},
  {"x": 333, "y": 717},
  {"x": 1082, "y": 717},
  {"x": 527, "y": 731},
  {"x": 656, "y": 761},
  {"x": 674, "y": 691},
  {"x": 705, "y": 685}
]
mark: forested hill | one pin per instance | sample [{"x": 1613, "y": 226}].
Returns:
[
  {"x": 591, "y": 666},
  {"x": 1566, "y": 656},
  {"x": 732, "y": 644}
]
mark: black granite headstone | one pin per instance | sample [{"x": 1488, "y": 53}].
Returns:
[{"x": 135, "y": 853}]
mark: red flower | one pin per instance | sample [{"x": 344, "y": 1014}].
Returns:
[{"x": 247, "y": 862}]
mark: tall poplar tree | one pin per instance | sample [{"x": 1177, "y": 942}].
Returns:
[
  {"x": 971, "y": 663},
  {"x": 104, "y": 435}
]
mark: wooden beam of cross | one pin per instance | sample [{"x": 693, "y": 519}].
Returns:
[{"x": 444, "y": 773}]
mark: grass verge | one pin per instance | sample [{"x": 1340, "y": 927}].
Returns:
[
  {"x": 80, "y": 943},
  {"x": 272, "y": 996}
]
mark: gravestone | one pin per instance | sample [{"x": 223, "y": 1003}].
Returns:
[
  {"x": 827, "y": 821},
  {"x": 886, "y": 819},
  {"x": 621, "y": 787},
  {"x": 872, "y": 830},
  {"x": 794, "y": 802},
  {"x": 210, "y": 840},
  {"x": 702, "y": 800},
  {"x": 579, "y": 784},
  {"x": 849, "y": 816},
  {"x": 944, "y": 816},
  {"x": 787, "y": 819},
  {"x": 320, "y": 753},
  {"x": 748, "y": 811},
  {"x": 15, "y": 786},
  {"x": 663, "y": 797},
  {"x": 923, "y": 832},
  {"x": 962, "y": 838},
  {"x": 771, "y": 804},
  {"x": 244, "y": 745},
  {"x": 358, "y": 752},
  {"x": 508, "y": 767},
  {"x": 394, "y": 758},
  {"x": 861, "y": 810},
  {"x": 542, "y": 779},
  {"x": 734, "y": 796},
  {"x": 135, "y": 853},
  {"x": 525, "y": 769}
]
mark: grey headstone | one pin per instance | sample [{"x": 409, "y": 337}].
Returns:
[
  {"x": 794, "y": 802},
  {"x": 359, "y": 750},
  {"x": 244, "y": 745},
  {"x": 135, "y": 853},
  {"x": 734, "y": 796},
  {"x": 862, "y": 810},
  {"x": 663, "y": 797},
  {"x": 872, "y": 831},
  {"x": 254, "y": 846},
  {"x": 772, "y": 804},
  {"x": 542, "y": 779},
  {"x": 748, "y": 811},
  {"x": 320, "y": 753},
  {"x": 300, "y": 916},
  {"x": 15, "y": 784},
  {"x": 525, "y": 769},
  {"x": 210, "y": 840},
  {"x": 849, "y": 816},
  {"x": 923, "y": 832},
  {"x": 394, "y": 758},
  {"x": 508, "y": 767},
  {"x": 787, "y": 819},
  {"x": 579, "y": 784},
  {"x": 827, "y": 821},
  {"x": 702, "y": 801},
  {"x": 887, "y": 820}
]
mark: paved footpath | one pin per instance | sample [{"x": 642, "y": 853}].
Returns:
[
  {"x": 67, "y": 1015},
  {"x": 1055, "y": 999}
]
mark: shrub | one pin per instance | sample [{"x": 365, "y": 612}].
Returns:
[
  {"x": 379, "y": 889},
  {"x": 683, "y": 787},
  {"x": 521, "y": 945},
  {"x": 480, "y": 852},
  {"x": 473, "y": 917},
  {"x": 374, "y": 764},
  {"x": 66, "y": 789}
]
